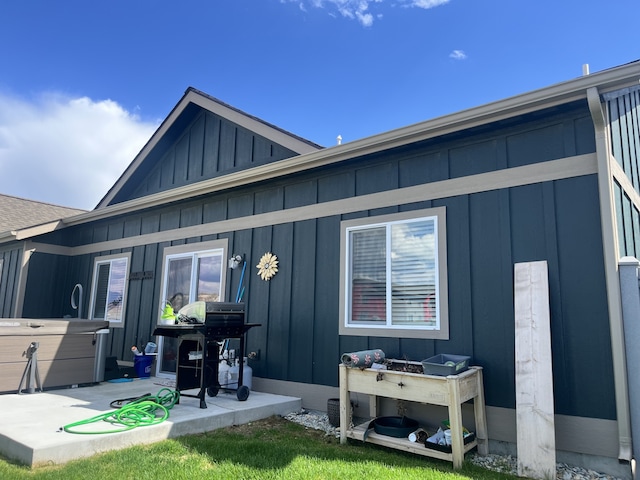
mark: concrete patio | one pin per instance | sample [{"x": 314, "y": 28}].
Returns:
[{"x": 31, "y": 430}]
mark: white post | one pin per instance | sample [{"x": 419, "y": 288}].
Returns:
[{"x": 534, "y": 375}]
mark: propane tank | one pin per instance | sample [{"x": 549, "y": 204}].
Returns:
[
  {"x": 233, "y": 376},
  {"x": 223, "y": 374},
  {"x": 247, "y": 374}
]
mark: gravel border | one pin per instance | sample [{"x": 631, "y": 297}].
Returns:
[{"x": 498, "y": 463}]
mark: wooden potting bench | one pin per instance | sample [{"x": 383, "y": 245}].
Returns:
[{"x": 449, "y": 391}]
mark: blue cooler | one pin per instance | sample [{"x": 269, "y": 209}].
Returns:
[{"x": 142, "y": 365}]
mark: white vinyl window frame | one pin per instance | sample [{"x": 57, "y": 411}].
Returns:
[
  {"x": 109, "y": 285},
  {"x": 382, "y": 322},
  {"x": 194, "y": 252}
]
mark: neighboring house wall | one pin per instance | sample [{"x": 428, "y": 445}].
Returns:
[{"x": 623, "y": 108}]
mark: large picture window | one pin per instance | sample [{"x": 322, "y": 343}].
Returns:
[
  {"x": 394, "y": 275},
  {"x": 191, "y": 273},
  {"x": 109, "y": 289}
]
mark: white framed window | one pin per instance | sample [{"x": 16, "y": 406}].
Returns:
[
  {"x": 393, "y": 275},
  {"x": 190, "y": 273},
  {"x": 109, "y": 288}
]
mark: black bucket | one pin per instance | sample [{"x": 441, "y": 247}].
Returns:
[{"x": 398, "y": 427}]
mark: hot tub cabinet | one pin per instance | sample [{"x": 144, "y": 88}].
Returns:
[
  {"x": 448, "y": 391},
  {"x": 69, "y": 352}
]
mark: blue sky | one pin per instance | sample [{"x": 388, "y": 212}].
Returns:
[{"x": 83, "y": 85}]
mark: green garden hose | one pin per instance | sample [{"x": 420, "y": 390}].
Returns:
[{"x": 142, "y": 412}]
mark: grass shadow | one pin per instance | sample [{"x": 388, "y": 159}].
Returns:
[
  {"x": 275, "y": 444},
  {"x": 269, "y": 449}
]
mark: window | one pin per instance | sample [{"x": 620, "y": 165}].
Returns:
[
  {"x": 109, "y": 289},
  {"x": 192, "y": 272},
  {"x": 394, "y": 281}
]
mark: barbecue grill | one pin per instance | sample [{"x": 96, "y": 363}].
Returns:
[{"x": 198, "y": 348}]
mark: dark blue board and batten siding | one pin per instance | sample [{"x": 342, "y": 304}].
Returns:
[
  {"x": 10, "y": 266},
  {"x": 208, "y": 147},
  {"x": 487, "y": 232}
]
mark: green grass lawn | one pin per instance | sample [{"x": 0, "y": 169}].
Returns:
[{"x": 268, "y": 449}]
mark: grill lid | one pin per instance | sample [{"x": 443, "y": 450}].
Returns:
[
  {"x": 220, "y": 307},
  {"x": 224, "y": 314}
]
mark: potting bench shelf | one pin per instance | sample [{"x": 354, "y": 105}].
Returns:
[{"x": 450, "y": 391}]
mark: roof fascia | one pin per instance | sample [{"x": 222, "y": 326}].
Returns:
[
  {"x": 29, "y": 232},
  {"x": 8, "y": 236},
  {"x": 146, "y": 150},
  {"x": 208, "y": 103},
  {"x": 607, "y": 80},
  {"x": 251, "y": 123},
  {"x": 34, "y": 231}
]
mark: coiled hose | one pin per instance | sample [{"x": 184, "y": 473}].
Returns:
[{"x": 141, "y": 412}]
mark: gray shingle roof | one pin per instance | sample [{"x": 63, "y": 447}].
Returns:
[{"x": 17, "y": 213}]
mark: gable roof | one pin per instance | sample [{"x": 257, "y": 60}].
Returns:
[
  {"x": 572, "y": 90},
  {"x": 19, "y": 213},
  {"x": 190, "y": 105},
  {"x": 576, "y": 89}
]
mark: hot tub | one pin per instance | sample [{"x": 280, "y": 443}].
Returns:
[{"x": 69, "y": 351}]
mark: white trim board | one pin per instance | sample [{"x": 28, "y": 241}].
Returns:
[{"x": 511, "y": 177}]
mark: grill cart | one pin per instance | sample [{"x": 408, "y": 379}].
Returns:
[{"x": 198, "y": 348}]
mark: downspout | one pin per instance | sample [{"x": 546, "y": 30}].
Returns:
[{"x": 610, "y": 247}]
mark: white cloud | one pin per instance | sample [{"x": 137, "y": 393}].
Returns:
[
  {"x": 366, "y": 19},
  {"x": 426, "y": 4},
  {"x": 458, "y": 55},
  {"x": 66, "y": 151},
  {"x": 359, "y": 9},
  {"x": 355, "y": 9}
]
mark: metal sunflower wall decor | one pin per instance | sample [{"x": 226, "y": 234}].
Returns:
[{"x": 268, "y": 266}]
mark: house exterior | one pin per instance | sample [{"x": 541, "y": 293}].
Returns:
[{"x": 405, "y": 241}]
